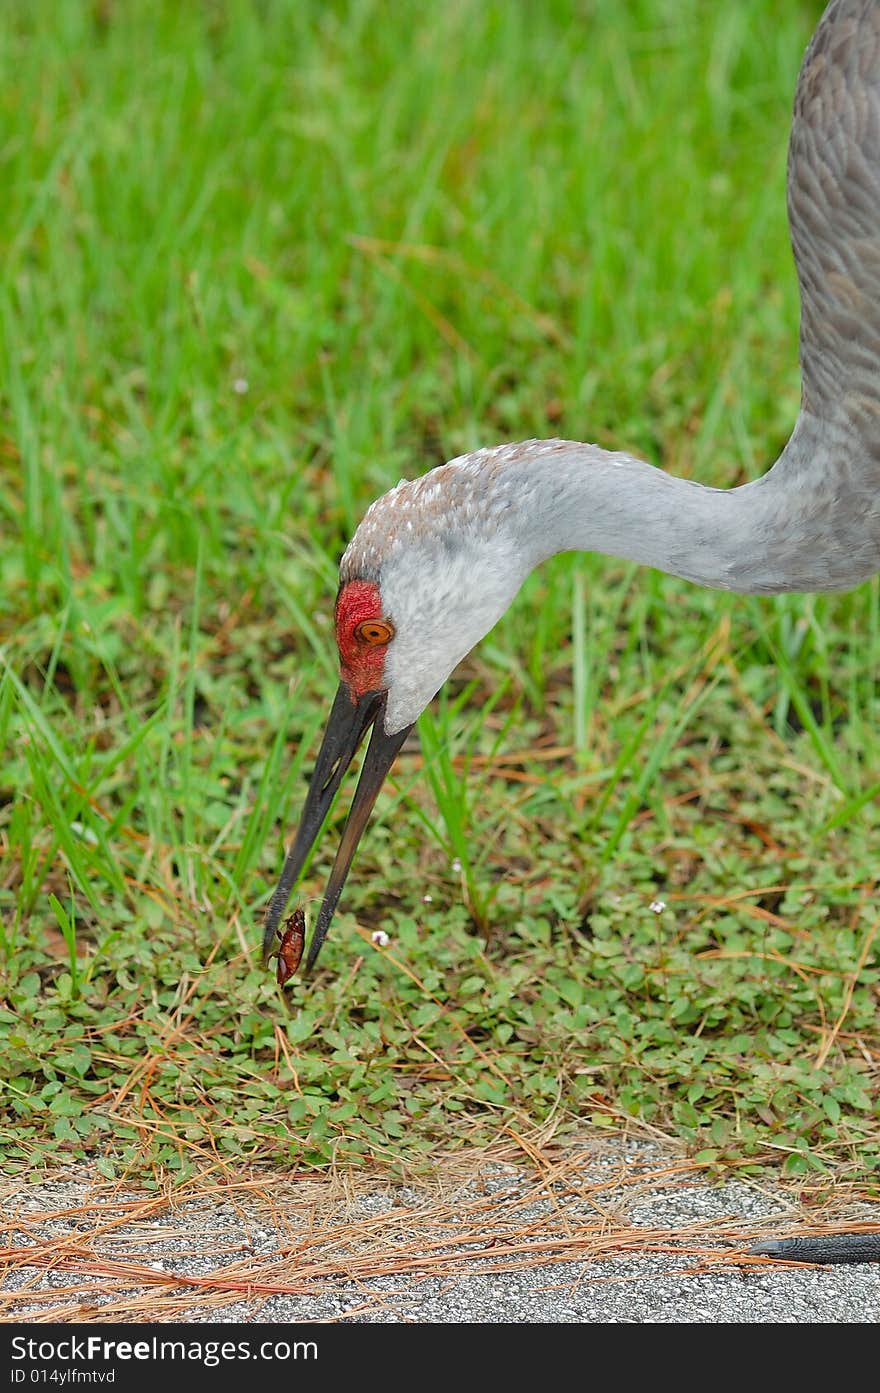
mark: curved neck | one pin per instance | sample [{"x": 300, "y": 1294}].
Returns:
[{"x": 775, "y": 534}]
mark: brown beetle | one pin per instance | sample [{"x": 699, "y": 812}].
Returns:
[{"x": 290, "y": 948}]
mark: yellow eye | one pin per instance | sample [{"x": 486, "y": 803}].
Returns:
[{"x": 375, "y": 631}]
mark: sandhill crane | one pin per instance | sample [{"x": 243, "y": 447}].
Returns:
[{"x": 437, "y": 560}]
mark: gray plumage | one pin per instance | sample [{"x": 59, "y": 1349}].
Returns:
[{"x": 812, "y": 522}]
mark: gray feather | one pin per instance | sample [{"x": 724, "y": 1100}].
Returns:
[{"x": 811, "y": 523}]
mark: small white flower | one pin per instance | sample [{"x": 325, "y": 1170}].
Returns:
[
  {"x": 240, "y": 386},
  {"x": 380, "y": 938},
  {"x": 456, "y": 864},
  {"x": 85, "y": 833},
  {"x": 658, "y": 906},
  {"x": 427, "y": 899}
]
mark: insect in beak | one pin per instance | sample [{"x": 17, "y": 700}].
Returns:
[
  {"x": 290, "y": 947},
  {"x": 350, "y": 719}
]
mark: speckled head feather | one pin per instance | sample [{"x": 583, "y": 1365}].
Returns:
[
  {"x": 447, "y": 557},
  {"x": 463, "y": 498}
]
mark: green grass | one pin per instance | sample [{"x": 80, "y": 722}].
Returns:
[{"x": 261, "y": 260}]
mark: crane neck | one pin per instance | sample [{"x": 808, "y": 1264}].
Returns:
[{"x": 774, "y": 534}]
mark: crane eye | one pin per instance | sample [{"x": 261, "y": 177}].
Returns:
[{"x": 375, "y": 631}]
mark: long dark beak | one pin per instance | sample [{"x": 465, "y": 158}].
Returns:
[{"x": 350, "y": 719}]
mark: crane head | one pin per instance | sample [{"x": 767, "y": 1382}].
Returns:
[{"x": 425, "y": 576}]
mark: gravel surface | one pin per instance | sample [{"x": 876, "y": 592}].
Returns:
[{"x": 614, "y": 1232}]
